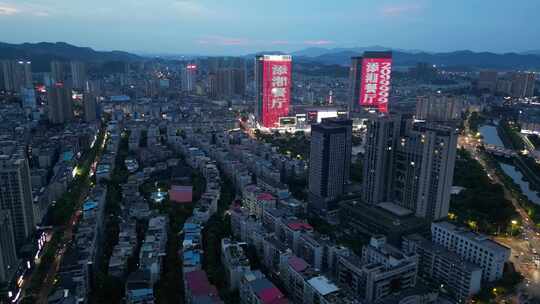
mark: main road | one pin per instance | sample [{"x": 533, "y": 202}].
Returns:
[
  {"x": 526, "y": 246},
  {"x": 66, "y": 231}
]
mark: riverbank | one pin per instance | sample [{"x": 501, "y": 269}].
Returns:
[
  {"x": 532, "y": 209},
  {"x": 509, "y": 135},
  {"x": 482, "y": 205},
  {"x": 512, "y": 173}
]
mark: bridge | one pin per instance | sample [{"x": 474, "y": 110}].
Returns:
[{"x": 499, "y": 151}]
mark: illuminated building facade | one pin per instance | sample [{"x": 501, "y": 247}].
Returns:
[
  {"x": 375, "y": 80},
  {"x": 273, "y": 88}
]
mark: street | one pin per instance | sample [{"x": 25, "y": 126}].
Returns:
[
  {"x": 526, "y": 246},
  {"x": 66, "y": 233}
]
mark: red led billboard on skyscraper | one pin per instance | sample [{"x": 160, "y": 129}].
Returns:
[
  {"x": 276, "y": 89},
  {"x": 376, "y": 76}
]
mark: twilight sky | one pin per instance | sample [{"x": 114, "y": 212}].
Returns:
[{"x": 242, "y": 26}]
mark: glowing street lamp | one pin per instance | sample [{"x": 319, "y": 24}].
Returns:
[{"x": 514, "y": 224}]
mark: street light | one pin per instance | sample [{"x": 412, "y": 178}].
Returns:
[{"x": 514, "y": 224}]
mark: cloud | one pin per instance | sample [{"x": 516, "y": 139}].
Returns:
[
  {"x": 8, "y": 10},
  {"x": 318, "y": 42},
  {"x": 398, "y": 10}
]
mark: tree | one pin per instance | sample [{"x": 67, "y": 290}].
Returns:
[
  {"x": 109, "y": 289},
  {"x": 357, "y": 171}
]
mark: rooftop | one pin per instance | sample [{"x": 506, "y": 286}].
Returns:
[
  {"x": 265, "y": 197},
  {"x": 89, "y": 205},
  {"x": 198, "y": 283},
  {"x": 266, "y": 291},
  {"x": 298, "y": 264},
  {"x": 480, "y": 239},
  {"x": 395, "y": 209},
  {"x": 323, "y": 285},
  {"x": 299, "y": 226}
]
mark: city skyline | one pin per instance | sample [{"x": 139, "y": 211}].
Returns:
[
  {"x": 276, "y": 152},
  {"x": 207, "y": 27}
]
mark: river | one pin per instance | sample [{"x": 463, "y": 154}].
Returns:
[{"x": 490, "y": 135}]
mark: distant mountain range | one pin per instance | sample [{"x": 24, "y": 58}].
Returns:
[
  {"x": 342, "y": 56},
  {"x": 42, "y": 53},
  {"x": 466, "y": 58},
  {"x": 318, "y": 51},
  {"x": 533, "y": 52}
]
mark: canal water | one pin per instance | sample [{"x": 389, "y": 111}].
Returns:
[{"x": 491, "y": 137}]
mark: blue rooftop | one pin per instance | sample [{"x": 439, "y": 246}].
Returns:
[
  {"x": 283, "y": 195},
  {"x": 67, "y": 156},
  {"x": 89, "y": 205},
  {"x": 141, "y": 293},
  {"x": 192, "y": 257},
  {"x": 191, "y": 227}
]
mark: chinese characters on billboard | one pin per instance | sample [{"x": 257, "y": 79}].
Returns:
[
  {"x": 375, "y": 86},
  {"x": 312, "y": 117},
  {"x": 276, "y": 89}
]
